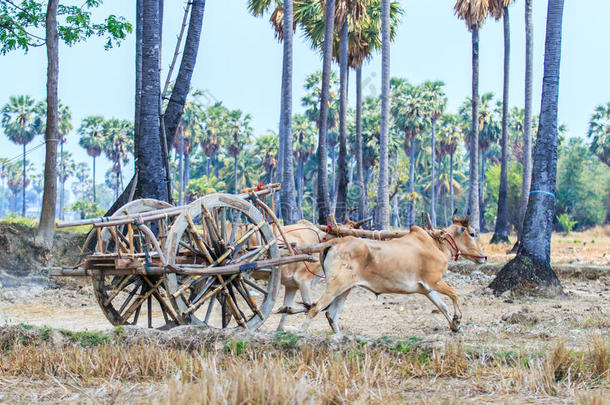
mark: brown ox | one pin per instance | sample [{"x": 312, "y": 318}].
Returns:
[
  {"x": 300, "y": 276},
  {"x": 414, "y": 263}
]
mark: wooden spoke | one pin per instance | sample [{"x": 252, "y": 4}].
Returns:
[
  {"x": 140, "y": 300},
  {"x": 208, "y": 313},
  {"x": 230, "y": 225},
  {"x": 149, "y": 300},
  {"x": 255, "y": 286},
  {"x": 121, "y": 297},
  {"x": 130, "y": 296},
  {"x": 243, "y": 291}
]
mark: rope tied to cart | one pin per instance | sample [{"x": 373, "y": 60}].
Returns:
[{"x": 147, "y": 263}]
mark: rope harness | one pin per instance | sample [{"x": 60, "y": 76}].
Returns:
[
  {"x": 147, "y": 262},
  {"x": 455, "y": 247},
  {"x": 319, "y": 241}
]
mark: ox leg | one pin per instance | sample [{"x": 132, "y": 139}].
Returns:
[
  {"x": 324, "y": 302},
  {"x": 436, "y": 300},
  {"x": 444, "y": 288},
  {"x": 332, "y": 314},
  {"x": 289, "y": 294}
]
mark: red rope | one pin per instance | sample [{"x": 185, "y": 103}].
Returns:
[{"x": 319, "y": 241}]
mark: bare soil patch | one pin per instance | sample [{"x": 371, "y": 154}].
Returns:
[{"x": 495, "y": 332}]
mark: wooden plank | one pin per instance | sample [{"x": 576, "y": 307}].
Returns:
[
  {"x": 192, "y": 269},
  {"x": 362, "y": 233}
]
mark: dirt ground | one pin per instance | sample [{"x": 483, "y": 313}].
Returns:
[
  {"x": 496, "y": 324},
  {"x": 536, "y": 323}
]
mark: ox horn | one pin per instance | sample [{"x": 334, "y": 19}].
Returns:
[
  {"x": 453, "y": 218},
  {"x": 359, "y": 224},
  {"x": 467, "y": 219}
]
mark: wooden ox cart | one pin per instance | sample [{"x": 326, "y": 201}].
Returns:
[{"x": 215, "y": 261}]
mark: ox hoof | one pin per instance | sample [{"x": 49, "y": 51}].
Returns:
[
  {"x": 455, "y": 327},
  {"x": 283, "y": 310}
]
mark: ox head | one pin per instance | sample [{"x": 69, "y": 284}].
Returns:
[{"x": 467, "y": 239}]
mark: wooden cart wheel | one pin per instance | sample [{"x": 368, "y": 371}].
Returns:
[
  {"x": 134, "y": 299},
  {"x": 221, "y": 229}
]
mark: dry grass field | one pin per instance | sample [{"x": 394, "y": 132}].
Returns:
[{"x": 57, "y": 347}]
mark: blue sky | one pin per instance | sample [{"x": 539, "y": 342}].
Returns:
[{"x": 239, "y": 63}]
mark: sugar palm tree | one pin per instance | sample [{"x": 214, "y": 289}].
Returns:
[
  {"x": 188, "y": 130},
  {"x": 436, "y": 103},
  {"x": 284, "y": 13},
  {"x": 92, "y": 139},
  {"x": 489, "y": 132},
  {"x": 266, "y": 148},
  {"x": 304, "y": 140},
  {"x": 210, "y": 138},
  {"x": 237, "y": 135},
  {"x": 499, "y": 9},
  {"x": 527, "y": 120},
  {"x": 599, "y": 132},
  {"x": 409, "y": 112},
  {"x": 364, "y": 40},
  {"x": 17, "y": 182},
  {"x": 515, "y": 126},
  {"x": 118, "y": 144},
  {"x": 451, "y": 133},
  {"x": 348, "y": 14},
  {"x": 474, "y": 14},
  {"x": 64, "y": 126},
  {"x": 19, "y": 123},
  {"x": 383, "y": 203},
  {"x": 371, "y": 111},
  {"x": 3, "y": 176},
  {"x": 531, "y": 268},
  {"x": 66, "y": 170}
]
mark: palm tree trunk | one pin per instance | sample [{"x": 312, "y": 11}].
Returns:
[
  {"x": 23, "y": 185},
  {"x": 301, "y": 182},
  {"x": 187, "y": 171},
  {"x": 451, "y": 202},
  {"x": 532, "y": 265},
  {"x": 482, "y": 223},
  {"x": 93, "y": 181},
  {"x": 181, "y": 169},
  {"x": 138, "y": 90},
  {"x": 235, "y": 174},
  {"x": 3, "y": 193},
  {"x": 289, "y": 205},
  {"x": 473, "y": 192},
  {"x": 62, "y": 176},
  {"x": 362, "y": 205},
  {"x": 117, "y": 185},
  {"x": 149, "y": 158},
  {"x": 527, "y": 118},
  {"x": 175, "y": 107},
  {"x": 46, "y": 227},
  {"x": 411, "y": 205},
  {"x": 438, "y": 181},
  {"x": 207, "y": 168},
  {"x": 341, "y": 206},
  {"x": 383, "y": 203},
  {"x": 333, "y": 177},
  {"x": 433, "y": 188},
  {"x": 395, "y": 218},
  {"x": 323, "y": 202},
  {"x": 501, "y": 230},
  {"x": 444, "y": 195}
]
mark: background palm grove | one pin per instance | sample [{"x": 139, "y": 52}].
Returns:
[{"x": 389, "y": 155}]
